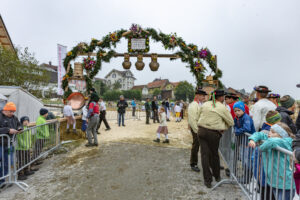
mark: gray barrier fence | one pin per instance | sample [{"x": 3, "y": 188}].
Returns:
[
  {"x": 264, "y": 172},
  {"x": 6, "y": 159},
  {"x": 25, "y": 149}
]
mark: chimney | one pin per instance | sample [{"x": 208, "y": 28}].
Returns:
[{"x": 50, "y": 63}]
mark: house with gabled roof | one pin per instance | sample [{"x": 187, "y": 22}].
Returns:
[
  {"x": 5, "y": 40},
  {"x": 125, "y": 78}
]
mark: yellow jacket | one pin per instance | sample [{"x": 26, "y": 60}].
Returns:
[
  {"x": 215, "y": 118},
  {"x": 193, "y": 115}
]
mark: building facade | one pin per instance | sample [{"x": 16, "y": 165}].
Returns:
[{"x": 125, "y": 78}]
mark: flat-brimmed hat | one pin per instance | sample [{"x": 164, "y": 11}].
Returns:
[
  {"x": 219, "y": 93},
  {"x": 298, "y": 85},
  {"x": 274, "y": 96},
  {"x": 231, "y": 95},
  {"x": 200, "y": 91},
  {"x": 262, "y": 89}
]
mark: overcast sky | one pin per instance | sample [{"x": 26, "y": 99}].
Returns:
[{"x": 257, "y": 41}]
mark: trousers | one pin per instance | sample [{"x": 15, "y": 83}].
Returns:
[
  {"x": 102, "y": 117},
  {"x": 92, "y": 129},
  {"x": 155, "y": 116},
  {"x": 195, "y": 149},
  {"x": 209, "y": 144},
  {"x": 147, "y": 116}
]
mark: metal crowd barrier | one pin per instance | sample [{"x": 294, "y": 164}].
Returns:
[
  {"x": 28, "y": 147},
  {"x": 261, "y": 175},
  {"x": 6, "y": 158}
]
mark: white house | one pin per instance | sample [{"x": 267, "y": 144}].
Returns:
[{"x": 125, "y": 78}]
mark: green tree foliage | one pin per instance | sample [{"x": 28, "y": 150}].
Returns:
[
  {"x": 112, "y": 95},
  {"x": 184, "y": 90},
  {"x": 117, "y": 85},
  {"x": 20, "y": 68},
  {"x": 100, "y": 87},
  {"x": 156, "y": 92},
  {"x": 131, "y": 94}
]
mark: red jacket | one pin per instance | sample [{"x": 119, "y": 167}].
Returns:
[
  {"x": 93, "y": 109},
  {"x": 232, "y": 110}
]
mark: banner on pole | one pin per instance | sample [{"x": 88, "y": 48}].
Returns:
[{"x": 61, "y": 54}]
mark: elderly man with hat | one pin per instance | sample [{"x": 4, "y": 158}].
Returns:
[
  {"x": 193, "y": 117},
  {"x": 261, "y": 107},
  {"x": 9, "y": 125},
  {"x": 214, "y": 119}
]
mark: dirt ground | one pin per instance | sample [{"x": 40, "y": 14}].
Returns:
[{"x": 126, "y": 165}]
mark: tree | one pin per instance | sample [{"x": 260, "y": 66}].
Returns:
[
  {"x": 100, "y": 87},
  {"x": 156, "y": 92},
  {"x": 184, "y": 90},
  {"x": 117, "y": 85},
  {"x": 112, "y": 95},
  {"x": 20, "y": 68},
  {"x": 131, "y": 94}
]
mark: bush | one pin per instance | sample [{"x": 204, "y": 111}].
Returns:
[
  {"x": 184, "y": 90},
  {"x": 112, "y": 95}
]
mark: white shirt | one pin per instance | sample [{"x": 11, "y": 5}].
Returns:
[
  {"x": 177, "y": 108},
  {"x": 163, "y": 118},
  {"x": 102, "y": 106},
  {"x": 259, "y": 112},
  {"x": 68, "y": 111},
  {"x": 84, "y": 113}
]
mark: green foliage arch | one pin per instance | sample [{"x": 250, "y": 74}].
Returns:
[{"x": 188, "y": 53}]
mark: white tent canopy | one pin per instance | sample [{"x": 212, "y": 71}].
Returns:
[{"x": 27, "y": 104}]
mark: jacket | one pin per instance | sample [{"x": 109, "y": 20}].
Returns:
[
  {"x": 7, "y": 123},
  {"x": 24, "y": 139},
  {"x": 259, "y": 112},
  {"x": 122, "y": 105},
  {"x": 93, "y": 109},
  {"x": 243, "y": 125},
  {"x": 42, "y": 131},
  {"x": 271, "y": 171},
  {"x": 298, "y": 122},
  {"x": 154, "y": 105},
  {"x": 296, "y": 146},
  {"x": 193, "y": 115},
  {"x": 147, "y": 106},
  {"x": 215, "y": 118},
  {"x": 286, "y": 118}
]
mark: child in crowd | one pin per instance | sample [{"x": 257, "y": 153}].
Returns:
[
  {"x": 163, "y": 126},
  {"x": 279, "y": 135},
  {"x": 272, "y": 118},
  {"x": 24, "y": 144},
  {"x": 84, "y": 118},
  {"x": 177, "y": 110},
  {"x": 243, "y": 123}
]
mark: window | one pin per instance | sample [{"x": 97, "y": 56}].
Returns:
[{"x": 114, "y": 75}]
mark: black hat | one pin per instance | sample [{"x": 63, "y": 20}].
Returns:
[
  {"x": 43, "y": 111},
  {"x": 262, "y": 89},
  {"x": 219, "y": 93},
  {"x": 200, "y": 91},
  {"x": 25, "y": 118},
  {"x": 231, "y": 95},
  {"x": 298, "y": 85},
  {"x": 274, "y": 96},
  {"x": 93, "y": 90}
]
